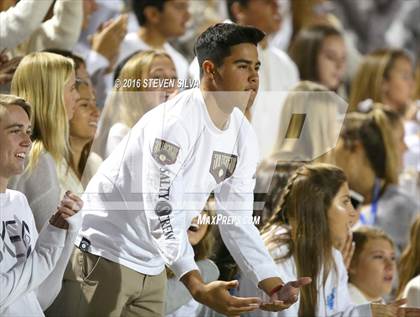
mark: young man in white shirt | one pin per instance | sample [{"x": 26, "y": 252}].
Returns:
[
  {"x": 160, "y": 21},
  {"x": 278, "y": 73},
  {"x": 139, "y": 205},
  {"x": 31, "y": 266}
]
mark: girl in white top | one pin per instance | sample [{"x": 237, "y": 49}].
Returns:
[
  {"x": 373, "y": 266},
  {"x": 313, "y": 216},
  {"x": 409, "y": 268},
  {"x": 53, "y": 95}
]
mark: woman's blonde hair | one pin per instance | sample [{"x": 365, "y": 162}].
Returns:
[
  {"x": 40, "y": 79},
  {"x": 137, "y": 67},
  {"x": 371, "y": 74},
  {"x": 125, "y": 105},
  {"x": 409, "y": 266}
]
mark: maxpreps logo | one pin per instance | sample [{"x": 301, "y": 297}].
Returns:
[
  {"x": 222, "y": 165},
  {"x": 164, "y": 153}
]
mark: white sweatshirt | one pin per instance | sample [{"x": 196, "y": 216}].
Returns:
[
  {"x": 175, "y": 152},
  {"x": 31, "y": 267},
  {"x": 333, "y": 298},
  {"x": 61, "y": 31},
  {"x": 19, "y": 21}
]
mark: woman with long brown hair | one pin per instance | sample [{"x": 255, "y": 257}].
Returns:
[{"x": 314, "y": 215}]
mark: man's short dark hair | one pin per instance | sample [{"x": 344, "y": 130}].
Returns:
[
  {"x": 229, "y": 4},
  {"x": 214, "y": 43},
  {"x": 138, "y": 7}
]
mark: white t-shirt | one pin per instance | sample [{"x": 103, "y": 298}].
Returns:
[
  {"x": 132, "y": 43},
  {"x": 173, "y": 158},
  {"x": 333, "y": 298},
  {"x": 30, "y": 273}
]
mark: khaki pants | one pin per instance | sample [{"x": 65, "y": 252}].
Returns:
[{"x": 95, "y": 286}]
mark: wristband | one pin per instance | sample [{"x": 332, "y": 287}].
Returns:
[{"x": 275, "y": 289}]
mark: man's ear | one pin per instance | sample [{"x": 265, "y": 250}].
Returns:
[
  {"x": 152, "y": 15},
  {"x": 208, "y": 68}
]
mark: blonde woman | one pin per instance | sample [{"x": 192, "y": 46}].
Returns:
[
  {"x": 309, "y": 124},
  {"x": 135, "y": 93},
  {"x": 48, "y": 82},
  {"x": 385, "y": 76}
]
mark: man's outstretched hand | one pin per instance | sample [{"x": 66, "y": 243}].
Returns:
[
  {"x": 286, "y": 296},
  {"x": 216, "y": 295}
]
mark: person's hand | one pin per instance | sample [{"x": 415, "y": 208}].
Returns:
[
  {"x": 388, "y": 310},
  {"x": 107, "y": 40},
  {"x": 7, "y": 68},
  {"x": 69, "y": 206},
  {"x": 347, "y": 249},
  {"x": 286, "y": 296},
  {"x": 216, "y": 296}
]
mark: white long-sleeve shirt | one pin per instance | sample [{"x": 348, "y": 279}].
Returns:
[
  {"x": 31, "y": 266},
  {"x": 172, "y": 159},
  {"x": 61, "y": 31},
  {"x": 333, "y": 297},
  {"x": 20, "y": 21}
]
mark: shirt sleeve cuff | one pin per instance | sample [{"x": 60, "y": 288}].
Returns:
[
  {"x": 183, "y": 266},
  {"x": 52, "y": 236},
  {"x": 262, "y": 272}
]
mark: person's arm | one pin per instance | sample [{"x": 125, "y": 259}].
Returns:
[
  {"x": 63, "y": 29},
  {"x": 165, "y": 154},
  {"x": 234, "y": 198},
  {"x": 20, "y": 21},
  {"x": 51, "y": 286},
  {"x": 26, "y": 276}
]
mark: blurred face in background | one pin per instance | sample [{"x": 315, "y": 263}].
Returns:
[
  {"x": 332, "y": 62},
  {"x": 375, "y": 268},
  {"x": 262, "y": 14},
  {"x": 85, "y": 119},
  {"x": 398, "y": 87},
  {"x": 161, "y": 69},
  {"x": 173, "y": 19}
]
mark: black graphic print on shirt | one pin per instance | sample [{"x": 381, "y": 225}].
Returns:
[
  {"x": 222, "y": 165},
  {"x": 16, "y": 238}
]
